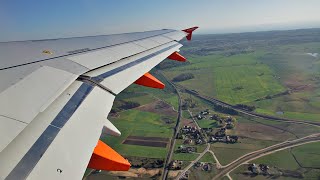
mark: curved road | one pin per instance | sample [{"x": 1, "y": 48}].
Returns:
[{"x": 268, "y": 150}]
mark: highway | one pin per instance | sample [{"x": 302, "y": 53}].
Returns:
[
  {"x": 263, "y": 152},
  {"x": 174, "y": 137}
]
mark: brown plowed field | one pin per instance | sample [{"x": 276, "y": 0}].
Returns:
[
  {"x": 147, "y": 141},
  {"x": 148, "y": 138},
  {"x": 159, "y": 107}
]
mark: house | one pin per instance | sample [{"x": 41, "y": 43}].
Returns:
[
  {"x": 206, "y": 167},
  {"x": 199, "y": 117},
  {"x": 264, "y": 168},
  {"x": 199, "y": 141},
  {"x": 213, "y": 139},
  {"x": 205, "y": 112},
  {"x": 231, "y": 139},
  {"x": 187, "y": 141},
  {"x": 229, "y": 126},
  {"x": 253, "y": 168},
  {"x": 221, "y": 132},
  {"x": 186, "y": 149},
  {"x": 175, "y": 165},
  {"x": 214, "y": 117}
]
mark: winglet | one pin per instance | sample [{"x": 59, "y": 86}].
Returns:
[
  {"x": 105, "y": 158},
  {"x": 150, "y": 81},
  {"x": 189, "y": 32},
  {"x": 176, "y": 56}
]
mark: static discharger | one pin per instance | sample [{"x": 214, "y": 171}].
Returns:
[
  {"x": 189, "y": 32},
  {"x": 105, "y": 158},
  {"x": 176, "y": 56},
  {"x": 150, "y": 81}
]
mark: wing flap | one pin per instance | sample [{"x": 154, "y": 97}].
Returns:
[
  {"x": 24, "y": 100},
  {"x": 60, "y": 136},
  {"x": 76, "y": 140},
  {"x": 9, "y": 129}
]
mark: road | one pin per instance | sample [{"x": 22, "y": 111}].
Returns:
[
  {"x": 175, "y": 133},
  {"x": 249, "y": 113},
  {"x": 268, "y": 150},
  {"x": 193, "y": 162}
]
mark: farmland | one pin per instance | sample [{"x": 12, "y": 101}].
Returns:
[
  {"x": 298, "y": 161},
  {"x": 139, "y": 123},
  {"x": 268, "y": 70},
  {"x": 259, "y": 72},
  {"x": 220, "y": 77}
]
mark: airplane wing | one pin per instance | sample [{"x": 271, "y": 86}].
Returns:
[{"x": 55, "y": 96}]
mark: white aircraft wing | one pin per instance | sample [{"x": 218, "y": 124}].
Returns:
[{"x": 55, "y": 96}]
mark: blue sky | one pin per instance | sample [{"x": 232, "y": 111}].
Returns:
[{"x": 31, "y": 19}]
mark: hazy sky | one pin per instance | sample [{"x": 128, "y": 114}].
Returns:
[{"x": 31, "y": 19}]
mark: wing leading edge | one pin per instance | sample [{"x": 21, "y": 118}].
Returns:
[{"x": 64, "y": 100}]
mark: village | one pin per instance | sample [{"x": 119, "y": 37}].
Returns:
[{"x": 193, "y": 136}]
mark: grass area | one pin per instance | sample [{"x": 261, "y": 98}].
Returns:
[
  {"x": 308, "y": 155},
  {"x": 139, "y": 123},
  {"x": 196, "y": 174},
  {"x": 282, "y": 159},
  {"x": 144, "y": 99},
  {"x": 234, "y": 79},
  {"x": 206, "y": 123},
  {"x": 240, "y": 173},
  {"x": 312, "y": 174},
  {"x": 184, "y": 156},
  {"x": 207, "y": 158},
  {"x": 298, "y": 71},
  {"x": 291, "y": 109},
  {"x": 292, "y": 130},
  {"x": 226, "y": 153},
  {"x": 243, "y": 78}
]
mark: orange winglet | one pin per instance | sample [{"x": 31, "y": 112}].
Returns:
[
  {"x": 189, "y": 31},
  {"x": 105, "y": 158},
  {"x": 150, "y": 81},
  {"x": 178, "y": 57}
]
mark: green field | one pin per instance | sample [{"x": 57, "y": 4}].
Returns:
[
  {"x": 207, "y": 158},
  {"x": 244, "y": 78},
  {"x": 308, "y": 155},
  {"x": 220, "y": 76},
  {"x": 139, "y": 123},
  {"x": 298, "y": 71},
  {"x": 282, "y": 159},
  {"x": 207, "y": 123},
  {"x": 197, "y": 174}
]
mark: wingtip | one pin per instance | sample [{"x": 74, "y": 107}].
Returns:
[{"x": 189, "y": 32}]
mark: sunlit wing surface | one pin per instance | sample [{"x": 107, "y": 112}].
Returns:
[{"x": 55, "y": 96}]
